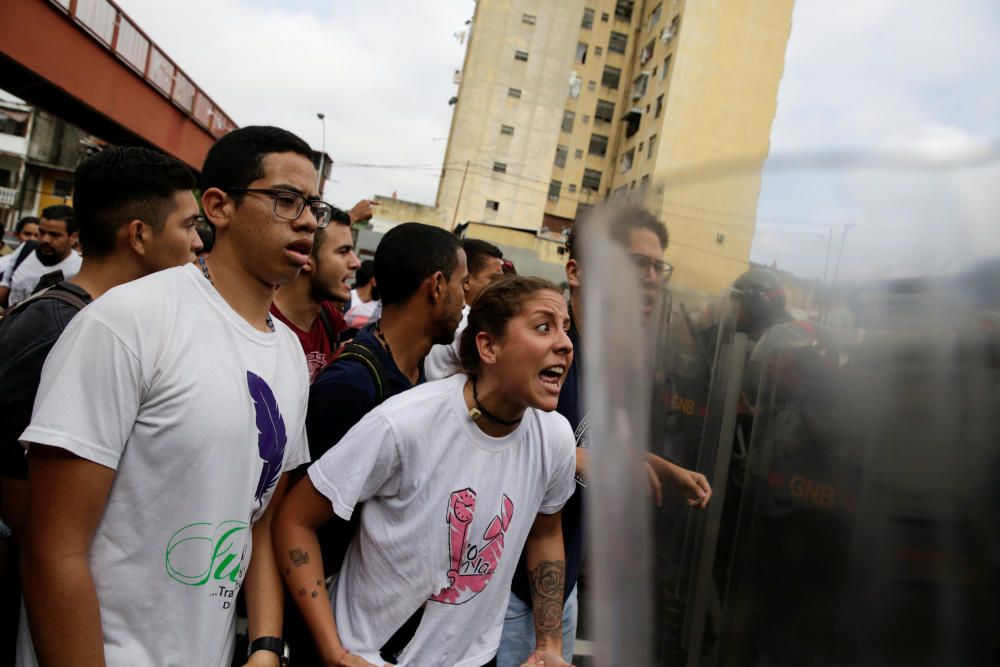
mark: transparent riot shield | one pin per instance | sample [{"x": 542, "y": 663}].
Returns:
[{"x": 850, "y": 442}]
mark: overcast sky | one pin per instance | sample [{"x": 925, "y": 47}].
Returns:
[{"x": 885, "y": 75}]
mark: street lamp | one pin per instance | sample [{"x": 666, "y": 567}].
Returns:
[{"x": 322, "y": 153}]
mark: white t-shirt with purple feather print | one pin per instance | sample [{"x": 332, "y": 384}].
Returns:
[{"x": 199, "y": 414}]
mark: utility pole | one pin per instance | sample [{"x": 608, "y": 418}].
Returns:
[
  {"x": 459, "y": 201},
  {"x": 322, "y": 154},
  {"x": 840, "y": 253},
  {"x": 829, "y": 246}
]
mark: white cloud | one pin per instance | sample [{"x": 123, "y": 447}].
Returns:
[
  {"x": 380, "y": 70},
  {"x": 895, "y": 76}
]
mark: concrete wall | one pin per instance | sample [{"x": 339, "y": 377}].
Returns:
[
  {"x": 717, "y": 102},
  {"x": 475, "y": 141},
  {"x": 400, "y": 210},
  {"x": 715, "y": 136}
]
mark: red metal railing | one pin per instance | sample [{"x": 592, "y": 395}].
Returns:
[{"x": 110, "y": 26}]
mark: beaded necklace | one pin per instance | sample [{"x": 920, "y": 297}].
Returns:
[{"x": 208, "y": 277}]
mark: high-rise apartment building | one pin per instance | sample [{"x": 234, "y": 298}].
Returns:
[{"x": 562, "y": 105}]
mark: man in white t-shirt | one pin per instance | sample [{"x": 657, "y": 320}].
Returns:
[
  {"x": 57, "y": 232},
  {"x": 485, "y": 262},
  {"x": 167, "y": 417}
]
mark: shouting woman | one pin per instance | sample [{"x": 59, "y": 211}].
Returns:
[{"x": 457, "y": 477}]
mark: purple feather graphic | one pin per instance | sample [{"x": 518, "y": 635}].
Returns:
[{"x": 271, "y": 437}]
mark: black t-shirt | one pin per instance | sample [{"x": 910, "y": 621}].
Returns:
[
  {"x": 344, "y": 392},
  {"x": 25, "y": 340},
  {"x": 570, "y": 406}
]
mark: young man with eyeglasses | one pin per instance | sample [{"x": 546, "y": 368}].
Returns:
[
  {"x": 168, "y": 415},
  {"x": 644, "y": 238}
]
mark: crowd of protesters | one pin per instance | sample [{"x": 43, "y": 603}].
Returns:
[{"x": 161, "y": 405}]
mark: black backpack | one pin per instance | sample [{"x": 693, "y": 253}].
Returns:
[
  {"x": 363, "y": 355},
  {"x": 57, "y": 292}
]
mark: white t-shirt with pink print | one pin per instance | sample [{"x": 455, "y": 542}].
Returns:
[{"x": 446, "y": 515}]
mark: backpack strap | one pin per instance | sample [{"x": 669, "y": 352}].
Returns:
[
  {"x": 367, "y": 358},
  {"x": 24, "y": 252},
  {"x": 55, "y": 292}
]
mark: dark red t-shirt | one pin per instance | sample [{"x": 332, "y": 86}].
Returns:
[{"x": 317, "y": 345}]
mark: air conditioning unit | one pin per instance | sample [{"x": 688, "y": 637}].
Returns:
[{"x": 666, "y": 35}]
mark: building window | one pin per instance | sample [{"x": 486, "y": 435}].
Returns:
[
  {"x": 639, "y": 86},
  {"x": 591, "y": 85},
  {"x": 585, "y": 119},
  {"x": 62, "y": 188},
  {"x": 632, "y": 185},
  {"x": 598, "y": 50},
  {"x": 604, "y": 17},
  {"x": 14, "y": 123},
  {"x": 666, "y": 68},
  {"x": 581, "y": 52},
  {"x": 623, "y": 10},
  {"x": 572, "y": 187},
  {"x": 507, "y": 129},
  {"x": 644, "y": 184},
  {"x": 554, "y": 188},
  {"x": 598, "y": 145},
  {"x": 618, "y": 42},
  {"x": 605, "y": 111},
  {"x": 562, "y": 152},
  {"x": 675, "y": 25},
  {"x": 567, "y": 124},
  {"x": 654, "y": 18},
  {"x": 500, "y": 167},
  {"x": 591, "y": 180},
  {"x": 492, "y": 205},
  {"x": 588, "y": 19},
  {"x": 651, "y": 147},
  {"x": 528, "y": 18},
  {"x": 627, "y": 159},
  {"x": 659, "y": 106},
  {"x": 611, "y": 77},
  {"x": 514, "y": 92},
  {"x": 521, "y": 55},
  {"x": 647, "y": 52},
  {"x": 6, "y": 178},
  {"x": 578, "y": 154}
]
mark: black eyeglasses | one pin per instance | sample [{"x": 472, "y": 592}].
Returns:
[
  {"x": 660, "y": 268},
  {"x": 289, "y": 205}
]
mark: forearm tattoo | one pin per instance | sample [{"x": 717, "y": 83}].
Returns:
[
  {"x": 299, "y": 557},
  {"x": 546, "y": 581}
]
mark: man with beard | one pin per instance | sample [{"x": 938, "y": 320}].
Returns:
[
  {"x": 420, "y": 271},
  {"x": 57, "y": 232},
  {"x": 309, "y": 305}
]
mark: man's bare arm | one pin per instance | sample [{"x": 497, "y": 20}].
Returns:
[
  {"x": 263, "y": 586},
  {"x": 67, "y": 496}
]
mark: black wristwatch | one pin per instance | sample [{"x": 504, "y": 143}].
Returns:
[{"x": 272, "y": 644}]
